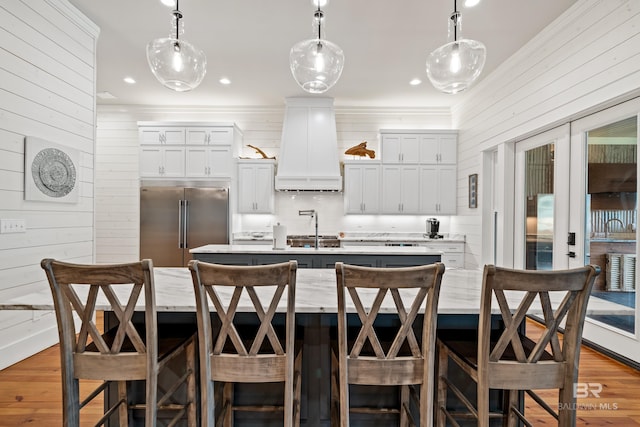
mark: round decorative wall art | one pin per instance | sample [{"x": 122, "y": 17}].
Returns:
[{"x": 53, "y": 172}]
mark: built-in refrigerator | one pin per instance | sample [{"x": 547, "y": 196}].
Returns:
[{"x": 174, "y": 219}]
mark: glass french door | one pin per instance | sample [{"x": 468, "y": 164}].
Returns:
[
  {"x": 541, "y": 211},
  {"x": 576, "y": 203},
  {"x": 603, "y": 207}
]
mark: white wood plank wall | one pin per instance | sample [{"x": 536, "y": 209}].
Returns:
[
  {"x": 47, "y": 87},
  {"x": 117, "y": 201},
  {"x": 583, "y": 62}
]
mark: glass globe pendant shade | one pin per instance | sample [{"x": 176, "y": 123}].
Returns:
[
  {"x": 454, "y": 66},
  {"x": 177, "y": 64},
  {"x": 316, "y": 64}
]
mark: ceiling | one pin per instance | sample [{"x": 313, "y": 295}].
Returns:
[{"x": 386, "y": 44}]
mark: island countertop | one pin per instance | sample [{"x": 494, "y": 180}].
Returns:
[
  {"x": 316, "y": 292},
  {"x": 360, "y": 250}
]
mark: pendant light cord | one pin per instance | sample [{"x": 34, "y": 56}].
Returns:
[
  {"x": 454, "y": 17},
  {"x": 177, "y": 15}
]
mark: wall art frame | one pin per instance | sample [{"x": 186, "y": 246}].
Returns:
[
  {"x": 473, "y": 191},
  {"x": 51, "y": 171}
]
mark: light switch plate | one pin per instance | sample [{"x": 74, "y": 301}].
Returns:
[{"x": 13, "y": 226}]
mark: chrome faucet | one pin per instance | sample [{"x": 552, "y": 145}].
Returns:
[
  {"x": 313, "y": 214},
  {"x": 606, "y": 226}
]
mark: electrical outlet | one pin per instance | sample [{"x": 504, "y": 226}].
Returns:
[{"x": 13, "y": 226}]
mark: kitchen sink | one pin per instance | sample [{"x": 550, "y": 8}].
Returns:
[{"x": 308, "y": 241}]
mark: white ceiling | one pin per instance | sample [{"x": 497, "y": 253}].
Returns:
[{"x": 386, "y": 44}]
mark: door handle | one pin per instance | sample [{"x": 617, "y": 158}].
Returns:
[
  {"x": 180, "y": 208},
  {"x": 185, "y": 224}
]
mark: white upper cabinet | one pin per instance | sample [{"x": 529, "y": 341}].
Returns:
[
  {"x": 219, "y": 135},
  {"x": 400, "y": 148},
  {"x": 256, "y": 186},
  {"x": 438, "y": 189},
  {"x": 188, "y": 149},
  {"x": 361, "y": 187},
  {"x": 400, "y": 186},
  {"x": 209, "y": 162},
  {"x": 438, "y": 148},
  {"x": 418, "y": 172},
  {"x": 161, "y": 161},
  {"x": 162, "y": 135}
]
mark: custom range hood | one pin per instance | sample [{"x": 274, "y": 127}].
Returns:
[{"x": 308, "y": 158}]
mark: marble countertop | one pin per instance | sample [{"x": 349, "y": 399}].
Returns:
[
  {"x": 315, "y": 293},
  {"x": 360, "y": 250},
  {"x": 399, "y": 237}
]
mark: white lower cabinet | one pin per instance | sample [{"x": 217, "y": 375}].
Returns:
[
  {"x": 452, "y": 252},
  {"x": 438, "y": 189},
  {"x": 361, "y": 187},
  {"x": 209, "y": 162},
  {"x": 400, "y": 189},
  {"x": 256, "y": 186},
  {"x": 161, "y": 161}
]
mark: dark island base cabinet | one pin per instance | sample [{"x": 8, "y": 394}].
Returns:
[
  {"x": 316, "y": 331},
  {"x": 319, "y": 260}
]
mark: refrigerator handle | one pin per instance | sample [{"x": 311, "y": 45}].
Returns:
[
  {"x": 180, "y": 221},
  {"x": 185, "y": 224}
]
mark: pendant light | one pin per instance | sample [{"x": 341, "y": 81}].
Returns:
[
  {"x": 454, "y": 66},
  {"x": 175, "y": 62},
  {"x": 316, "y": 63}
]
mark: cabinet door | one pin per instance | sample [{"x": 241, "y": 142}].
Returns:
[
  {"x": 264, "y": 188},
  {"x": 429, "y": 149},
  {"x": 429, "y": 193},
  {"x": 151, "y": 135},
  {"x": 173, "y": 162},
  {"x": 247, "y": 189},
  {"x": 448, "y": 149},
  {"x": 197, "y": 162},
  {"x": 353, "y": 184},
  {"x": 410, "y": 149},
  {"x": 448, "y": 189},
  {"x": 220, "y": 161},
  {"x": 391, "y": 189},
  {"x": 410, "y": 189},
  {"x": 174, "y": 136},
  {"x": 151, "y": 161},
  {"x": 370, "y": 189}
]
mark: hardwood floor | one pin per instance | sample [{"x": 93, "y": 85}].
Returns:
[{"x": 30, "y": 393}]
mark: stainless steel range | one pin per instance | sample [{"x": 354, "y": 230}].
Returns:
[{"x": 308, "y": 241}]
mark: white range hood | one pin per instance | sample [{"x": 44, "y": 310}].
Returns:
[{"x": 308, "y": 158}]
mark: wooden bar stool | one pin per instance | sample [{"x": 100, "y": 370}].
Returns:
[
  {"x": 236, "y": 353},
  {"x": 387, "y": 355},
  {"x": 510, "y": 361},
  {"x": 128, "y": 352}
]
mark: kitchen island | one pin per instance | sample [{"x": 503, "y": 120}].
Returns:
[
  {"x": 370, "y": 256},
  {"x": 316, "y": 309}
]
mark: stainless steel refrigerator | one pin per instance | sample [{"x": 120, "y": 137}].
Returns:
[{"x": 176, "y": 219}]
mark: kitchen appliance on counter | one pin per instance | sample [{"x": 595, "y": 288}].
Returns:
[
  {"x": 174, "y": 219},
  {"x": 433, "y": 227}
]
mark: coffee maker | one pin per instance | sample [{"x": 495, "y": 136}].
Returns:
[{"x": 433, "y": 226}]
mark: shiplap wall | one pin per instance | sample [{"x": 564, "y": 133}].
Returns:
[
  {"x": 47, "y": 87},
  {"x": 586, "y": 60},
  {"x": 117, "y": 145}
]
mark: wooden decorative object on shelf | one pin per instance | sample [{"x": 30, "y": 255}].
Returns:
[
  {"x": 259, "y": 151},
  {"x": 361, "y": 150}
]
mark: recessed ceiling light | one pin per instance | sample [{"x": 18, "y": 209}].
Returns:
[
  {"x": 225, "y": 81},
  {"x": 415, "y": 82},
  {"x": 471, "y": 3},
  {"x": 105, "y": 95},
  {"x": 168, "y": 3},
  {"x": 129, "y": 80}
]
